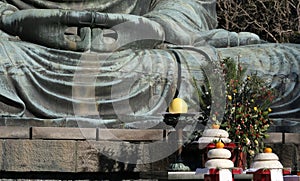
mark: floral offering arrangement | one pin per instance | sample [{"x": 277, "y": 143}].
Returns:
[{"x": 247, "y": 106}]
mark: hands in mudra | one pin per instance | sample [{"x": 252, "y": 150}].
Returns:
[{"x": 80, "y": 30}]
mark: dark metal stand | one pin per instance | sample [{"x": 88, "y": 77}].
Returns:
[{"x": 178, "y": 122}]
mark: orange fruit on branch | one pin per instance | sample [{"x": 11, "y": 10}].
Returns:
[
  {"x": 268, "y": 150},
  {"x": 220, "y": 144},
  {"x": 215, "y": 126}
]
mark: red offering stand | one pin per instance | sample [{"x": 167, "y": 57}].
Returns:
[
  {"x": 265, "y": 174},
  {"x": 214, "y": 174}
]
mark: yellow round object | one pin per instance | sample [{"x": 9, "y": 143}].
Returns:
[
  {"x": 268, "y": 150},
  {"x": 215, "y": 126},
  {"x": 219, "y": 144},
  {"x": 178, "y": 106}
]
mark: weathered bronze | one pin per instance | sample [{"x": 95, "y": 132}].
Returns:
[{"x": 109, "y": 58}]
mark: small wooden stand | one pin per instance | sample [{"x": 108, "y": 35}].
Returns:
[
  {"x": 265, "y": 174},
  {"x": 215, "y": 174}
]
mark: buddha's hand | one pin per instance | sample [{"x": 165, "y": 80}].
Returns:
[
  {"x": 77, "y": 30},
  {"x": 117, "y": 31},
  {"x": 221, "y": 38}
]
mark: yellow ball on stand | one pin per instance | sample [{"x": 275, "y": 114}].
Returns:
[{"x": 178, "y": 106}]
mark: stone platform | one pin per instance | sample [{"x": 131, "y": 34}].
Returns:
[{"x": 45, "y": 151}]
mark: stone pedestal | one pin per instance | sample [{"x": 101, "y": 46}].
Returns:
[{"x": 37, "y": 149}]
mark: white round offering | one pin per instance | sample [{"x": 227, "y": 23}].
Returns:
[
  {"x": 267, "y": 164},
  {"x": 210, "y": 135},
  {"x": 219, "y": 153},
  {"x": 212, "y": 139},
  {"x": 219, "y": 163},
  {"x": 219, "y": 158},
  {"x": 266, "y": 156},
  {"x": 266, "y": 160},
  {"x": 218, "y": 133}
]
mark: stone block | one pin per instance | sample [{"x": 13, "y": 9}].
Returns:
[
  {"x": 162, "y": 154},
  {"x": 14, "y": 132},
  {"x": 131, "y": 134},
  {"x": 111, "y": 156},
  {"x": 274, "y": 138},
  {"x": 39, "y": 155},
  {"x": 292, "y": 138},
  {"x": 298, "y": 158},
  {"x": 63, "y": 133},
  {"x": 88, "y": 157},
  {"x": 1, "y": 155},
  {"x": 29, "y": 122},
  {"x": 287, "y": 154}
]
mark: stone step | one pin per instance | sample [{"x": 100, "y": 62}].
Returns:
[
  {"x": 70, "y": 133},
  {"x": 283, "y": 138},
  {"x": 66, "y": 133}
]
